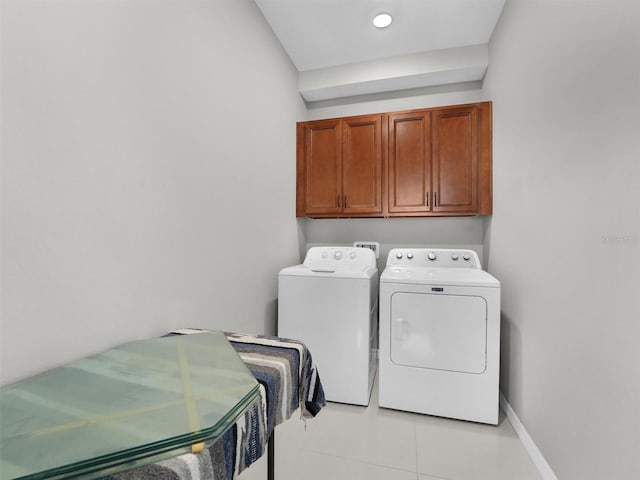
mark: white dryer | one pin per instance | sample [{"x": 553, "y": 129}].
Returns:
[
  {"x": 439, "y": 335},
  {"x": 330, "y": 303}
]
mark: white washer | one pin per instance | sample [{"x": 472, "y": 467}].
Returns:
[
  {"x": 330, "y": 303},
  {"x": 439, "y": 335}
]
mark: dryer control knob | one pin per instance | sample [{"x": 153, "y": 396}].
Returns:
[
  {"x": 454, "y": 257},
  {"x": 399, "y": 255},
  {"x": 352, "y": 255},
  {"x": 432, "y": 256},
  {"x": 337, "y": 255},
  {"x": 409, "y": 255},
  {"x": 466, "y": 257}
]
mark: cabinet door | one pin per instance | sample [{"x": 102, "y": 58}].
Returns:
[
  {"x": 409, "y": 171},
  {"x": 323, "y": 167},
  {"x": 362, "y": 164},
  {"x": 455, "y": 160}
]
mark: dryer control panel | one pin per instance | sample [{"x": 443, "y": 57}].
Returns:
[{"x": 433, "y": 257}]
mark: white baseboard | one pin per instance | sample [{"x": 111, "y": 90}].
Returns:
[{"x": 528, "y": 443}]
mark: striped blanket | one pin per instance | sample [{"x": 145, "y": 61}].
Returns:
[{"x": 288, "y": 381}]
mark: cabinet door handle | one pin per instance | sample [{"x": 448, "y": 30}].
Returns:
[
  {"x": 435, "y": 199},
  {"x": 344, "y": 201},
  {"x": 426, "y": 197},
  {"x": 338, "y": 198}
]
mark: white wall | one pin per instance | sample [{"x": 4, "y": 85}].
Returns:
[
  {"x": 148, "y": 173},
  {"x": 464, "y": 232},
  {"x": 564, "y": 238}
]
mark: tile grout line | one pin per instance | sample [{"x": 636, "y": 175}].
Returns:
[
  {"x": 427, "y": 475},
  {"x": 351, "y": 459}
]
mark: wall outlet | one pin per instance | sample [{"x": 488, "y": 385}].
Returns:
[{"x": 375, "y": 246}]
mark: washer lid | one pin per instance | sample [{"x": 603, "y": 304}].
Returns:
[
  {"x": 338, "y": 262},
  {"x": 439, "y": 276}
]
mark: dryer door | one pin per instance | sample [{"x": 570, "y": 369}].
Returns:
[{"x": 439, "y": 331}]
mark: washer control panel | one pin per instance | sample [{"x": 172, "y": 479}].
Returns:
[
  {"x": 433, "y": 257},
  {"x": 339, "y": 258}
]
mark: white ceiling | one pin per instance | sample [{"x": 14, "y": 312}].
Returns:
[{"x": 320, "y": 35}]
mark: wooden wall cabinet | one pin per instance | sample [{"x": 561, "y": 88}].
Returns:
[
  {"x": 409, "y": 171},
  {"x": 340, "y": 167},
  {"x": 428, "y": 162}
]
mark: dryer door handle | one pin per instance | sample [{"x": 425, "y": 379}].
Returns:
[{"x": 399, "y": 329}]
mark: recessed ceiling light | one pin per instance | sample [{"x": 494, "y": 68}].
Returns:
[{"x": 382, "y": 20}]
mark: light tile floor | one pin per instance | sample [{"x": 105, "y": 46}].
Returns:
[{"x": 357, "y": 443}]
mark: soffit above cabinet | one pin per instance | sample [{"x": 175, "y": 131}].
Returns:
[{"x": 339, "y": 52}]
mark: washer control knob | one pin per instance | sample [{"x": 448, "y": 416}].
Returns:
[
  {"x": 324, "y": 254},
  {"x": 466, "y": 257},
  {"x": 432, "y": 256},
  {"x": 352, "y": 255},
  {"x": 337, "y": 255},
  {"x": 409, "y": 255},
  {"x": 399, "y": 255},
  {"x": 454, "y": 257}
]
